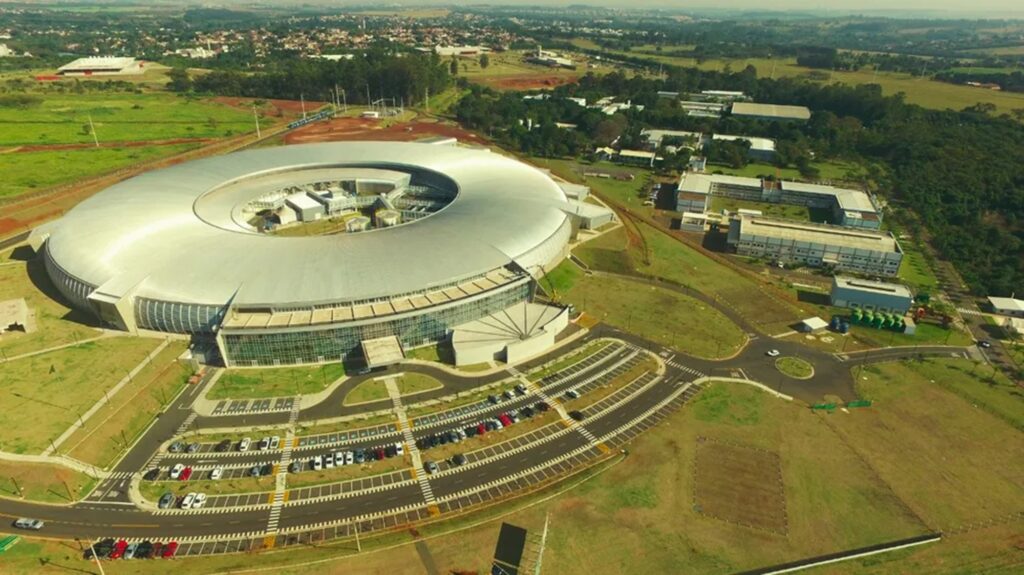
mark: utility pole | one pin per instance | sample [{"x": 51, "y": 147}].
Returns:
[
  {"x": 17, "y": 487},
  {"x": 92, "y": 549},
  {"x": 369, "y": 102},
  {"x": 344, "y": 100},
  {"x": 426, "y": 99},
  {"x": 302, "y": 100},
  {"x": 359, "y": 548},
  {"x": 92, "y": 128},
  {"x": 256, "y": 117}
]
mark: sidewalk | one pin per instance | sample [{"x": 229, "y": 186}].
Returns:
[{"x": 61, "y": 460}]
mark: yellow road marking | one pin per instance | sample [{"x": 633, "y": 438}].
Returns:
[
  {"x": 295, "y": 442},
  {"x": 434, "y": 510},
  {"x": 287, "y": 495},
  {"x": 604, "y": 448},
  {"x": 415, "y": 473},
  {"x": 270, "y": 497},
  {"x": 268, "y": 542}
]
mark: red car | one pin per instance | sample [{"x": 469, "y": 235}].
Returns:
[
  {"x": 158, "y": 549},
  {"x": 380, "y": 453},
  {"x": 119, "y": 548},
  {"x": 170, "y": 549},
  {"x": 185, "y": 474},
  {"x": 505, "y": 419},
  {"x": 481, "y": 429}
]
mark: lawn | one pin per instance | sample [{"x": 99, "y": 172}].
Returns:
[
  {"x": 310, "y": 477},
  {"x": 153, "y": 490},
  {"x": 119, "y": 117},
  {"x": 659, "y": 314},
  {"x": 42, "y": 482},
  {"x": 795, "y": 367},
  {"x": 567, "y": 360},
  {"x": 256, "y": 383},
  {"x": 948, "y": 458},
  {"x": 828, "y": 170},
  {"x": 28, "y": 171},
  {"x": 56, "y": 323},
  {"x": 787, "y": 211},
  {"x": 373, "y": 390},
  {"x": 45, "y": 394},
  {"x": 118, "y": 423}
]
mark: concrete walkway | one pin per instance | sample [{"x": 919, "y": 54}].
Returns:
[
  {"x": 106, "y": 398},
  {"x": 61, "y": 460},
  {"x": 104, "y": 335}
]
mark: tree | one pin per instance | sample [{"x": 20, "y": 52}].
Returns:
[
  {"x": 485, "y": 61},
  {"x": 453, "y": 67},
  {"x": 180, "y": 80}
]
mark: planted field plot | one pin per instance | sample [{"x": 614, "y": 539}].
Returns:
[
  {"x": 375, "y": 389},
  {"x": 256, "y": 383},
  {"x": 741, "y": 485},
  {"x": 42, "y": 482}
]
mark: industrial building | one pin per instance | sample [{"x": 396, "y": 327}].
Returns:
[
  {"x": 850, "y": 208},
  {"x": 845, "y": 249},
  {"x": 761, "y": 149},
  {"x": 774, "y": 112},
  {"x": 870, "y": 295},
  {"x": 101, "y": 66},
  {"x": 1007, "y": 306},
  {"x": 174, "y": 251}
]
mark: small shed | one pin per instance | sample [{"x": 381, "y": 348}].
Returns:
[{"x": 813, "y": 324}]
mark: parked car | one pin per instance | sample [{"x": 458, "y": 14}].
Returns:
[
  {"x": 152, "y": 474},
  {"x": 295, "y": 467},
  {"x": 169, "y": 550},
  {"x": 256, "y": 470},
  {"x": 359, "y": 456},
  {"x": 217, "y": 473},
  {"x": 100, "y": 548},
  {"x": 166, "y": 500},
  {"x": 772, "y": 353},
  {"x": 129, "y": 553},
  {"x": 431, "y": 467},
  {"x": 186, "y": 474},
  {"x": 275, "y": 442},
  {"x": 493, "y": 399},
  {"x": 244, "y": 444},
  {"x": 119, "y": 548},
  {"x": 505, "y": 420},
  {"x": 317, "y": 463},
  {"x": 390, "y": 451},
  {"x": 199, "y": 501},
  {"x": 192, "y": 447},
  {"x": 176, "y": 447},
  {"x": 264, "y": 444},
  {"x": 572, "y": 394},
  {"x": 526, "y": 412},
  {"x": 349, "y": 458},
  {"x": 31, "y": 524},
  {"x": 481, "y": 428},
  {"x": 176, "y": 471},
  {"x": 984, "y": 344},
  {"x": 186, "y": 503},
  {"x": 328, "y": 461},
  {"x": 577, "y": 415},
  {"x": 520, "y": 389},
  {"x": 223, "y": 446},
  {"x": 379, "y": 453},
  {"x": 158, "y": 548},
  {"x": 458, "y": 459},
  {"x": 542, "y": 406},
  {"x": 507, "y": 394},
  {"x": 144, "y": 550}
]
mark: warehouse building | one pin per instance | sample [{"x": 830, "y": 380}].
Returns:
[
  {"x": 101, "y": 66},
  {"x": 1007, "y": 306},
  {"x": 818, "y": 245},
  {"x": 773, "y": 112},
  {"x": 761, "y": 149},
  {"x": 870, "y": 295}
]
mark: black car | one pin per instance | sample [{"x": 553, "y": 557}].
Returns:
[
  {"x": 493, "y": 399},
  {"x": 526, "y": 412},
  {"x": 470, "y": 431},
  {"x": 443, "y": 438},
  {"x": 100, "y": 548},
  {"x": 458, "y": 459},
  {"x": 144, "y": 550},
  {"x": 223, "y": 446},
  {"x": 435, "y": 441},
  {"x": 152, "y": 474},
  {"x": 577, "y": 415},
  {"x": 489, "y": 425},
  {"x": 391, "y": 451},
  {"x": 542, "y": 406},
  {"x": 268, "y": 468},
  {"x": 423, "y": 443}
]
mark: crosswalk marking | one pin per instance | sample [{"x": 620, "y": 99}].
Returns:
[{"x": 410, "y": 440}]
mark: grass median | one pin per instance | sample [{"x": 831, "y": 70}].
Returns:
[
  {"x": 153, "y": 490},
  {"x": 43, "y": 483},
  {"x": 374, "y": 390},
  {"x": 308, "y": 477},
  {"x": 795, "y": 367},
  {"x": 261, "y": 383},
  {"x": 568, "y": 360}
]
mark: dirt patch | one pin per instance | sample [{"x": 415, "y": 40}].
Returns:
[
  {"x": 342, "y": 129},
  {"x": 279, "y": 107},
  {"x": 740, "y": 485},
  {"x": 527, "y": 81}
]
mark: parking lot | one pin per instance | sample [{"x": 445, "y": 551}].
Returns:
[{"x": 239, "y": 406}]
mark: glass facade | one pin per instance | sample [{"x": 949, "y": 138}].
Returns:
[
  {"x": 177, "y": 317},
  {"x": 77, "y": 292},
  {"x": 337, "y": 342}
]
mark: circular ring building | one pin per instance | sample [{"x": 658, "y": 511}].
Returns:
[{"x": 298, "y": 254}]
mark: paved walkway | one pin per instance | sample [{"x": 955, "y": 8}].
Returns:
[
  {"x": 62, "y": 460},
  {"x": 106, "y": 398},
  {"x": 105, "y": 334}
]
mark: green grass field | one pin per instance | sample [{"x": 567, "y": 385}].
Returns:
[
  {"x": 258, "y": 383},
  {"x": 828, "y": 170},
  {"x": 118, "y": 117},
  {"x": 657, "y": 313},
  {"x": 795, "y": 367},
  {"x": 44, "y": 394},
  {"x": 118, "y": 423},
  {"x": 41, "y": 482},
  {"x": 374, "y": 389},
  {"x": 28, "y": 171},
  {"x": 789, "y": 212}
]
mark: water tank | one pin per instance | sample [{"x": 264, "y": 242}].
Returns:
[
  {"x": 357, "y": 224},
  {"x": 387, "y": 218}
]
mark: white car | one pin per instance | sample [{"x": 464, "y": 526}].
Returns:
[
  {"x": 244, "y": 444},
  {"x": 199, "y": 500},
  {"x": 339, "y": 459},
  {"x": 264, "y": 444},
  {"x": 275, "y": 442},
  {"x": 772, "y": 353},
  {"x": 217, "y": 473},
  {"x": 318, "y": 464},
  {"x": 329, "y": 461},
  {"x": 176, "y": 471},
  {"x": 349, "y": 458},
  {"x": 399, "y": 449},
  {"x": 186, "y": 503},
  {"x": 28, "y": 523}
]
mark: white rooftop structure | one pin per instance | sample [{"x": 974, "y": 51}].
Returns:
[
  {"x": 1007, "y": 305},
  {"x": 382, "y": 351},
  {"x": 303, "y": 201},
  {"x": 847, "y": 199},
  {"x": 756, "y": 143},
  {"x": 655, "y": 136},
  {"x": 511, "y": 335},
  {"x": 812, "y": 324},
  {"x": 885, "y": 288},
  {"x": 101, "y": 65},
  {"x": 772, "y": 111}
]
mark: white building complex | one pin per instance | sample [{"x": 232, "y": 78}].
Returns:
[
  {"x": 175, "y": 250},
  {"x": 101, "y": 66}
]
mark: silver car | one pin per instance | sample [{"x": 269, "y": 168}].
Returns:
[{"x": 26, "y": 523}]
